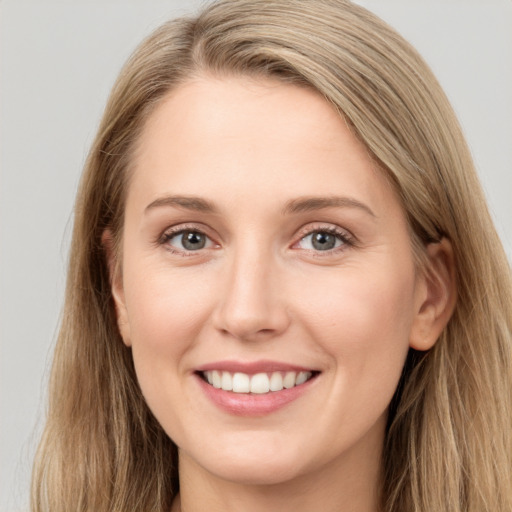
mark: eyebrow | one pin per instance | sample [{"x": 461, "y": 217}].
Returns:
[
  {"x": 307, "y": 204},
  {"x": 299, "y": 205},
  {"x": 186, "y": 202}
]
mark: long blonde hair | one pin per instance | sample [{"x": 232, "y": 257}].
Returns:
[{"x": 449, "y": 436}]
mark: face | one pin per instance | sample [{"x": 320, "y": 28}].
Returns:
[{"x": 268, "y": 289}]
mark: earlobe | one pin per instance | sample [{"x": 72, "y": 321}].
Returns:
[
  {"x": 116, "y": 286},
  {"x": 437, "y": 295}
]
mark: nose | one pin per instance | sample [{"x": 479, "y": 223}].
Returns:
[{"x": 251, "y": 305}]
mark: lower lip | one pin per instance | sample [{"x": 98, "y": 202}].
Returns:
[{"x": 252, "y": 404}]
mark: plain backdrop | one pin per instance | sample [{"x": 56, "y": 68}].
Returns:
[{"x": 58, "y": 62}]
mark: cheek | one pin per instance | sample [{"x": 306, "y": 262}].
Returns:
[
  {"x": 363, "y": 320},
  {"x": 166, "y": 313},
  {"x": 359, "y": 303},
  {"x": 163, "y": 304}
]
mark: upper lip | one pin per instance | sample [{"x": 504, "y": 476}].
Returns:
[{"x": 253, "y": 367}]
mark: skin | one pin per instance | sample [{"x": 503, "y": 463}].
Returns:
[{"x": 259, "y": 290}]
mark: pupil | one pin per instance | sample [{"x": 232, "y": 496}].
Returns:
[
  {"x": 193, "y": 241},
  {"x": 323, "y": 241}
]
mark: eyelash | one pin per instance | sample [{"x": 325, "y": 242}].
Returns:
[
  {"x": 346, "y": 238},
  {"x": 173, "y": 232}
]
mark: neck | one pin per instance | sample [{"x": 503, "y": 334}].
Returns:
[{"x": 349, "y": 483}]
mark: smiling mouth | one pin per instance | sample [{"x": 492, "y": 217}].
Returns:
[{"x": 259, "y": 383}]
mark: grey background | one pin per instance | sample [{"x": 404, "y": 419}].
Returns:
[{"x": 58, "y": 62}]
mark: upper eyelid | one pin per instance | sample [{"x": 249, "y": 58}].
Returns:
[
  {"x": 180, "y": 228},
  {"x": 324, "y": 226}
]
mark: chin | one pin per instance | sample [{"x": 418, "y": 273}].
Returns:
[
  {"x": 255, "y": 464},
  {"x": 264, "y": 472}
]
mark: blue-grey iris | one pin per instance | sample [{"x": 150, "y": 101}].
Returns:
[
  {"x": 192, "y": 240},
  {"x": 323, "y": 241}
]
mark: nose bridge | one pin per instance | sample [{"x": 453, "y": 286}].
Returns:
[{"x": 251, "y": 304}]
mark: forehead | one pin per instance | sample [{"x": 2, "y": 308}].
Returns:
[{"x": 237, "y": 135}]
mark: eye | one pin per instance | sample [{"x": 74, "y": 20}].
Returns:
[
  {"x": 187, "y": 240},
  {"x": 324, "y": 240}
]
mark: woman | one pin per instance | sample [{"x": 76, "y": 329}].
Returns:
[{"x": 284, "y": 289}]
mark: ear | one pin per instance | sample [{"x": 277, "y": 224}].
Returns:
[
  {"x": 436, "y": 296},
  {"x": 116, "y": 286}
]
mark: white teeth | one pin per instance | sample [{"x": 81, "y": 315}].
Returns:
[
  {"x": 301, "y": 378},
  {"x": 259, "y": 383},
  {"x": 289, "y": 380},
  {"x": 216, "y": 377},
  {"x": 276, "y": 382},
  {"x": 227, "y": 381},
  {"x": 241, "y": 383}
]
